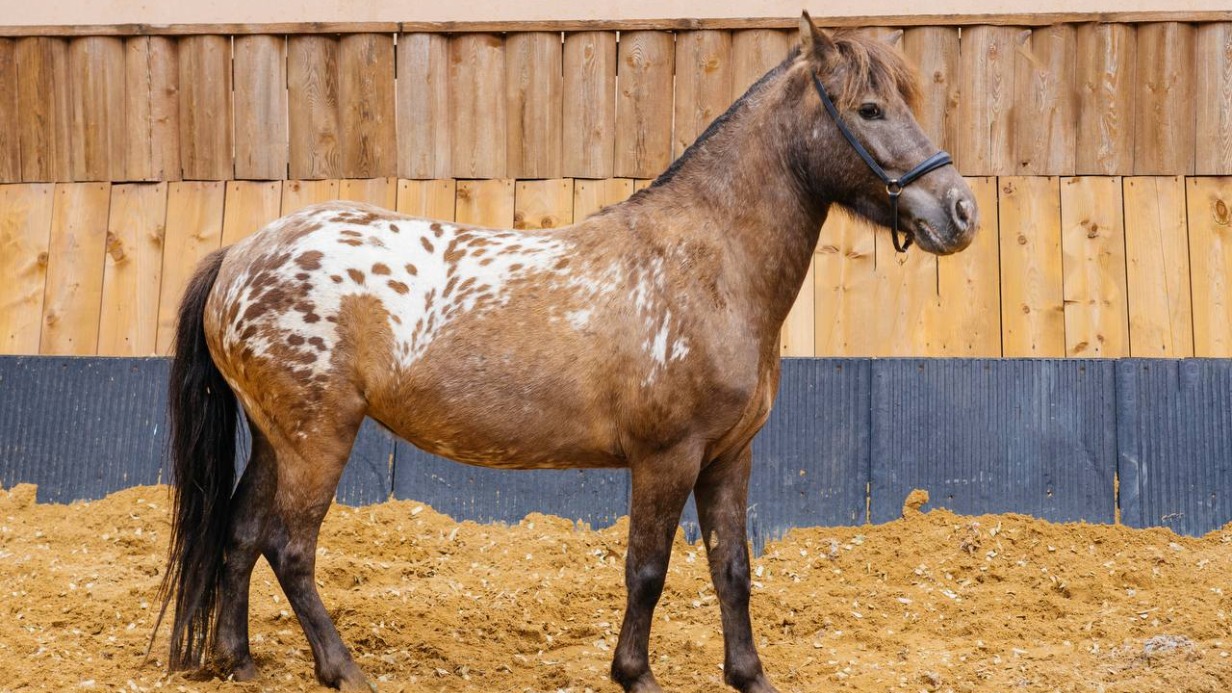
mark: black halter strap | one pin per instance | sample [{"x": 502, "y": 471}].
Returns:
[{"x": 894, "y": 186}]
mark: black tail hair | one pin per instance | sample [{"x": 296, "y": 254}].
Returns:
[{"x": 203, "y": 423}]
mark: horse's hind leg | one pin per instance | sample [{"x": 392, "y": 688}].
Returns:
[
  {"x": 251, "y": 502},
  {"x": 308, "y": 471},
  {"x": 722, "y": 495}
]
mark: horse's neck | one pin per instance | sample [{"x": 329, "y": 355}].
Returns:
[{"x": 768, "y": 226}]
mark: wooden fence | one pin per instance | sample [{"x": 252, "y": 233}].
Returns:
[
  {"x": 1063, "y": 100},
  {"x": 1085, "y": 266}
]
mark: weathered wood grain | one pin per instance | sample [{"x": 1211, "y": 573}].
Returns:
[
  {"x": 194, "y": 230},
  {"x": 485, "y": 203},
  {"x": 1106, "y": 74},
  {"x": 644, "y": 103},
  {"x": 1213, "y": 86},
  {"x": 590, "y": 196},
  {"x": 297, "y": 194},
  {"x": 1210, "y": 250},
  {"x": 25, "y": 238},
  {"x": 132, "y": 272},
  {"x": 967, "y": 319},
  {"x": 248, "y": 206},
  {"x": 10, "y": 116},
  {"x": 703, "y": 83},
  {"x": 382, "y": 192},
  {"x": 424, "y": 120},
  {"x": 44, "y": 99},
  {"x": 366, "y": 116},
  {"x": 96, "y": 97},
  {"x": 261, "y": 137},
  {"x": 477, "y": 102},
  {"x": 1032, "y": 297},
  {"x": 935, "y": 53},
  {"x": 73, "y": 299},
  {"x": 1164, "y": 100},
  {"x": 1161, "y": 321},
  {"x": 1093, "y": 250},
  {"x": 534, "y": 84},
  {"x": 205, "y": 108},
  {"x": 1045, "y": 116},
  {"x": 984, "y": 144},
  {"x": 543, "y": 204},
  {"x": 428, "y": 199},
  {"x": 312, "y": 108},
  {"x": 589, "y": 137}
]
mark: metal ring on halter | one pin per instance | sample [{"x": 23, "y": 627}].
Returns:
[{"x": 893, "y": 187}]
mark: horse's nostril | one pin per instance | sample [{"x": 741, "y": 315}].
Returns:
[{"x": 962, "y": 212}]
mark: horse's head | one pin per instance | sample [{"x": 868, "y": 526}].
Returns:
[{"x": 904, "y": 178}]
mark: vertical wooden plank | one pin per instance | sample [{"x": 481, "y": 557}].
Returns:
[
  {"x": 703, "y": 83},
  {"x": 1032, "y": 308},
  {"x": 96, "y": 92},
  {"x": 194, "y": 230},
  {"x": 132, "y": 270},
  {"x": 984, "y": 146},
  {"x": 25, "y": 235},
  {"x": 485, "y": 203},
  {"x": 1164, "y": 100},
  {"x": 423, "y": 106},
  {"x": 589, "y": 138},
  {"x": 428, "y": 199},
  {"x": 935, "y": 52},
  {"x": 1210, "y": 249},
  {"x": 43, "y": 97},
  {"x": 590, "y": 196},
  {"x": 312, "y": 107},
  {"x": 754, "y": 53},
  {"x": 533, "y": 85},
  {"x": 205, "y": 107},
  {"x": 904, "y": 292},
  {"x": 644, "y": 103},
  {"x": 799, "y": 334},
  {"x": 1044, "y": 114},
  {"x": 260, "y": 107},
  {"x": 1106, "y": 67},
  {"x": 845, "y": 277},
  {"x": 248, "y": 207},
  {"x": 967, "y": 318},
  {"x": 75, "y": 269},
  {"x": 366, "y": 105},
  {"x": 543, "y": 204},
  {"x": 297, "y": 194},
  {"x": 382, "y": 192},
  {"x": 138, "y": 147},
  {"x": 10, "y": 141},
  {"x": 477, "y": 102},
  {"x": 1157, "y": 267},
  {"x": 1093, "y": 249},
  {"x": 1213, "y": 80}
]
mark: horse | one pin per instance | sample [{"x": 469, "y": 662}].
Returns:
[{"x": 643, "y": 337}]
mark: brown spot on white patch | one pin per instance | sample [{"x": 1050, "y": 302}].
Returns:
[
  {"x": 295, "y": 340},
  {"x": 317, "y": 342},
  {"x": 351, "y": 241},
  {"x": 336, "y": 278},
  {"x": 436, "y": 229},
  {"x": 352, "y": 234},
  {"x": 394, "y": 228},
  {"x": 310, "y": 260},
  {"x": 356, "y": 275},
  {"x": 398, "y": 286},
  {"x": 412, "y": 270},
  {"x": 427, "y": 244},
  {"x": 380, "y": 268}
]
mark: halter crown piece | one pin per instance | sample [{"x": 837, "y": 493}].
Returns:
[{"x": 894, "y": 186}]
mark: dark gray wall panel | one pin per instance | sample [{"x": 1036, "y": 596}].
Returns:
[
  {"x": 81, "y": 428},
  {"x": 1175, "y": 443},
  {"x": 595, "y": 496},
  {"x": 368, "y": 477},
  {"x": 990, "y": 436}
]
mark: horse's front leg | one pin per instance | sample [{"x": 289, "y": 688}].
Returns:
[
  {"x": 722, "y": 495},
  {"x": 661, "y": 485}
]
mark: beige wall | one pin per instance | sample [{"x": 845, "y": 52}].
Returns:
[{"x": 85, "y": 12}]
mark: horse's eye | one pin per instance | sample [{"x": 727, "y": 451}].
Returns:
[{"x": 871, "y": 111}]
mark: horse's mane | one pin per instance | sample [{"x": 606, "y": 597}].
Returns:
[{"x": 866, "y": 63}]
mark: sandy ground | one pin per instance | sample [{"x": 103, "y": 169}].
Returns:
[{"x": 933, "y": 602}]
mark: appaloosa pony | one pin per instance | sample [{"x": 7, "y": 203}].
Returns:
[{"x": 643, "y": 337}]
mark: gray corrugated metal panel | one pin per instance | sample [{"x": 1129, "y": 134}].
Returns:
[
  {"x": 1175, "y": 443},
  {"x": 369, "y": 475},
  {"x": 992, "y": 436},
  {"x": 81, "y": 428},
  {"x": 464, "y": 492},
  {"x": 811, "y": 460}
]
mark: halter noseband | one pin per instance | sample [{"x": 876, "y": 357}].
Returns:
[{"x": 894, "y": 186}]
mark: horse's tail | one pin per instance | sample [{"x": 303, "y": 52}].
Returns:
[{"x": 203, "y": 424}]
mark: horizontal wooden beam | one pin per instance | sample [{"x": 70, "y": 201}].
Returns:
[{"x": 680, "y": 24}]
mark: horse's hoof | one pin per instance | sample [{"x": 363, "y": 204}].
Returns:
[
  {"x": 645, "y": 684},
  {"x": 244, "y": 671},
  {"x": 352, "y": 680}
]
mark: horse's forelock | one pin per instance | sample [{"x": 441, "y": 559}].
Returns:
[{"x": 870, "y": 64}]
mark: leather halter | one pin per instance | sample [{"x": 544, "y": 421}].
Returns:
[{"x": 894, "y": 186}]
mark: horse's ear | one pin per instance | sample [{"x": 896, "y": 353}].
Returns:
[{"x": 814, "y": 43}]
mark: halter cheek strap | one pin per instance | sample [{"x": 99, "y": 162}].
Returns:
[{"x": 894, "y": 186}]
